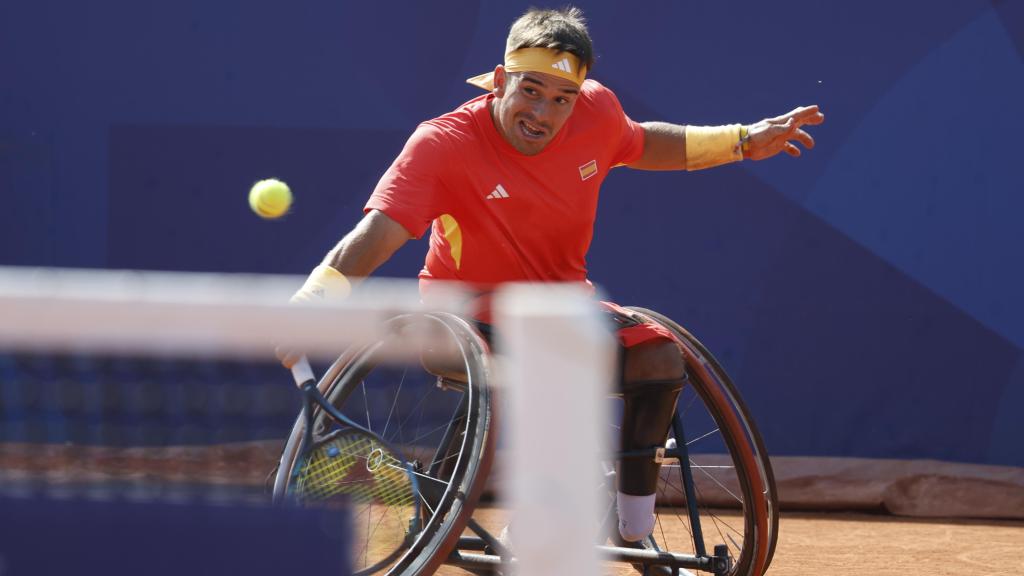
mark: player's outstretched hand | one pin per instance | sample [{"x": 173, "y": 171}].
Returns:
[{"x": 773, "y": 135}]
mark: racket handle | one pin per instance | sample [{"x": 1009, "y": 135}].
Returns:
[{"x": 302, "y": 372}]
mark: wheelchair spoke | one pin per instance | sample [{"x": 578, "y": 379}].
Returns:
[
  {"x": 357, "y": 518},
  {"x": 686, "y": 524},
  {"x": 699, "y": 438},
  {"x": 713, "y": 479},
  {"x": 718, "y": 528},
  {"x": 429, "y": 507},
  {"x": 689, "y": 405},
  {"x": 661, "y": 527},
  {"x": 708, "y": 512},
  {"x": 372, "y": 533},
  {"x": 415, "y": 410},
  {"x": 398, "y": 393},
  {"x": 718, "y": 523},
  {"x": 735, "y": 544},
  {"x": 429, "y": 432},
  {"x": 366, "y": 404},
  {"x": 707, "y": 466},
  {"x": 446, "y": 458},
  {"x": 365, "y": 552},
  {"x": 432, "y": 479},
  {"x": 720, "y": 485}
]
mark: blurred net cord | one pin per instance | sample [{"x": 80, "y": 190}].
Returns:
[{"x": 211, "y": 315}]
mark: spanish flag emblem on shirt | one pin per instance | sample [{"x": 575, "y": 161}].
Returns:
[{"x": 588, "y": 169}]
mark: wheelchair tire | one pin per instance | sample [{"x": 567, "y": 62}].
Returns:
[{"x": 739, "y": 437}]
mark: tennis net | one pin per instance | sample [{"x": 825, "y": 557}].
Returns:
[{"x": 154, "y": 386}]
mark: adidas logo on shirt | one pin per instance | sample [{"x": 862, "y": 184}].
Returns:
[
  {"x": 499, "y": 192},
  {"x": 563, "y": 65}
]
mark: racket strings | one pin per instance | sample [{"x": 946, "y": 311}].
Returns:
[{"x": 355, "y": 465}]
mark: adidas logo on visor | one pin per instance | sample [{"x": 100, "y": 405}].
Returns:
[{"x": 563, "y": 65}]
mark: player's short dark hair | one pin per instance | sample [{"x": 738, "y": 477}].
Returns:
[{"x": 564, "y": 30}]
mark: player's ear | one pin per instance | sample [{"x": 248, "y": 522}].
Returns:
[{"x": 500, "y": 81}]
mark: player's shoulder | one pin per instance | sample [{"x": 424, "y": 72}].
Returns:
[
  {"x": 593, "y": 91},
  {"x": 456, "y": 126},
  {"x": 596, "y": 98}
]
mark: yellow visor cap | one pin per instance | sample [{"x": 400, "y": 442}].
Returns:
[{"x": 544, "y": 60}]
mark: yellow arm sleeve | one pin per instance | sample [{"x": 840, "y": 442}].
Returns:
[{"x": 323, "y": 283}]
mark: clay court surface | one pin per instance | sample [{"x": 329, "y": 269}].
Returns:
[{"x": 861, "y": 544}]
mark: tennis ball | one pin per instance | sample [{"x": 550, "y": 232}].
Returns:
[{"x": 270, "y": 198}]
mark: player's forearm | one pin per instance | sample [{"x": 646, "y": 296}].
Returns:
[
  {"x": 355, "y": 255},
  {"x": 371, "y": 243},
  {"x": 675, "y": 147},
  {"x": 664, "y": 147},
  {"x": 359, "y": 253}
]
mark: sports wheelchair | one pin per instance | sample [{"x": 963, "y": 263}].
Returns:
[{"x": 717, "y": 506}]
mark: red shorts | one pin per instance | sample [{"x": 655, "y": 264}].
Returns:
[
  {"x": 632, "y": 328},
  {"x": 636, "y": 331}
]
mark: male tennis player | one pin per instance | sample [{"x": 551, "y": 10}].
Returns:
[{"x": 508, "y": 184}]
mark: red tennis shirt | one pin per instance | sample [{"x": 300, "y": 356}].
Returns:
[{"x": 498, "y": 215}]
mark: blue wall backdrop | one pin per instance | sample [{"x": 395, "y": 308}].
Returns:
[{"x": 865, "y": 296}]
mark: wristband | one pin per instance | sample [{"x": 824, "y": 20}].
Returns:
[
  {"x": 708, "y": 146},
  {"x": 324, "y": 283}
]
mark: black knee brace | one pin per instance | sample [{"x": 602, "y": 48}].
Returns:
[{"x": 646, "y": 418}]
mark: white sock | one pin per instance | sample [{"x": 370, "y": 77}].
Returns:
[{"x": 636, "y": 516}]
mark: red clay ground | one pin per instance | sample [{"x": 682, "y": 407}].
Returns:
[{"x": 861, "y": 544}]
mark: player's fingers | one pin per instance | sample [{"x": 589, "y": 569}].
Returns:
[
  {"x": 783, "y": 118},
  {"x": 812, "y": 119},
  {"x": 803, "y": 138},
  {"x": 805, "y": 111},
  {"x": 802, "y": 115},
  {"x": 792, "y": 150}
]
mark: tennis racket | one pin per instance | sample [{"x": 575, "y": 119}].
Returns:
[{"x": 344, "y": 464}]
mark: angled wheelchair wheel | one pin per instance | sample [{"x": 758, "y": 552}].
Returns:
[
  {"x": 736, "y": 502},
  {"x": 435, "y": 407}
]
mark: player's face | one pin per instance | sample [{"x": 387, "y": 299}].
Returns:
[{"x": 530, "y": 108}]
